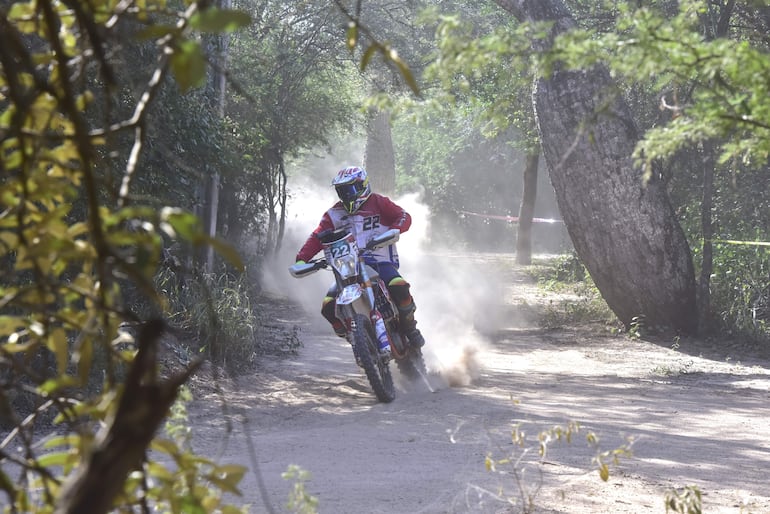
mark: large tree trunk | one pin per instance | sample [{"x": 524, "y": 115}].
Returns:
[
  {"x": 527, "y": 209},
  {"x": 379, "y": 160},
  {"x": 623, "y": 230}
]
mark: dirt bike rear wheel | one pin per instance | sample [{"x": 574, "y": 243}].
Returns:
[
  {"x": 367, "y": 355},
  {"x": 413, "y": 366}
]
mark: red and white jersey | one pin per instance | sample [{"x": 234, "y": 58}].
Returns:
[{"x": 378, "y": 214}]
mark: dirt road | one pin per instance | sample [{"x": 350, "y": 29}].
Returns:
[{"x": 692, "y": 413}]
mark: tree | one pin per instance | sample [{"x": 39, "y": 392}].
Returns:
[
  {"x": 623, "y": 227},
  {"x": 64, "y": 346},
  {"x": 527, "y": 210},
  {"x": 493, "y": 70},
  {"x": 292, "y": 90},
  {"x": 705, "y": 64},
  {"x": 387, "y": 29},
  {"x": 379, "y": 158}
]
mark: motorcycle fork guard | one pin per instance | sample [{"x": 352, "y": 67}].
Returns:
[{"x": 398, "y": 346}]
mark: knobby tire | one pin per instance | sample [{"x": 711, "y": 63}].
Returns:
[{"x": 365, "y": 349}]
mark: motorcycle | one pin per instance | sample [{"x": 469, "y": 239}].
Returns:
[{"x": 365, "y": 307}]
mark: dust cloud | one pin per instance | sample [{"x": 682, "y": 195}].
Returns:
[{"x": 450, "y": 295}]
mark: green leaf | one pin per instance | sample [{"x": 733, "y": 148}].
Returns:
[
  {"x": 62, "y": 440},
  {"x": 160, "y": 472},
  {"x": 179, "y": 223},
  {"x": 9, "y": 325},
  {"x": 227, "y": 478},
  {"x": 352, "y": 36},
  {"x": 84, "y": 357},
  {"x": 371, "y": 49},
  {"x": 189, "y": 65},
  {"x": 6, "y": 484},
  {"x": 57, "y": 343},
  {"x": 405, "y": 72},
  {"x": 54, "y": 459},
  {"x": 157, "y": 32},
  {"x": 227, "y": 251},
  {"x": 191, "y": 505},
  {"x": 22, "y": 17},
  {"x": 217, "y": 20},
  {"x": 57, "y": 383},
  {"x": 604, "y": 471},
  {"x": 165, "y": 446}
]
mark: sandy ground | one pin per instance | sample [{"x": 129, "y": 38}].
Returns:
[{"x": 692, "y": 413}]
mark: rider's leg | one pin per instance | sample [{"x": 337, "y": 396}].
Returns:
[
  {"x": 399, "y": 291},
  {"x": 327, "y": 311}
]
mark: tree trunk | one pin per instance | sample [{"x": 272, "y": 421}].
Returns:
[
  {"x": 623, "y": 230},
  {"x": 379, "y": 160},
  {"x": 708, "y": 152},
  {"x": 282, "y": 199},
  {"x": 527, "y": 209},
  {"x": 707, "y": 227},
  {"x": 218, "y": 87}
]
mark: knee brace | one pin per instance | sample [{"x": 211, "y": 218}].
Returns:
[
  {"x": 327, "y": 309},
  {"x": 399, "y": 290}
]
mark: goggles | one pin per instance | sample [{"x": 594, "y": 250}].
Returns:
[{"x": 348, "y": 192}]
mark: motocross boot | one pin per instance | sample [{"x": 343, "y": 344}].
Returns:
[{"x": 409, "y": 325}]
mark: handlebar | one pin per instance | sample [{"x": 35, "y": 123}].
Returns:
[
  {"x": 301, "y": 270},
  {"x": 386, "y": 238}
]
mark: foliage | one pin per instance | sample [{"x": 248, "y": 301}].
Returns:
[
  {"x": 565, "y": 269},
  {"x": 705, "y": 66},
  {"x": 583, "y": 305},
  {"x": 671, "y": 53},
  {"x": 579, "y": 302},
  {"x": 491, "y": 72},
  {"x": 516, "y": 465},
  {"x": 741, "y": 290},
  {"x": 463, "y": 142},
  {"x": 685, "y": 501},
  {"x": 458, "y": 169},
  {"x": 62, "y": 301},
  {"x": 216, "y": 312},
  {"x": 292, "y": 92},
  {"x": 300, "y": 501},
  {"x": 371, "y": 32},
  {"x": 193, "y": 483}
]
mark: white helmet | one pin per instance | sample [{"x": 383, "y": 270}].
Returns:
[{"x": 352, "y": 185}]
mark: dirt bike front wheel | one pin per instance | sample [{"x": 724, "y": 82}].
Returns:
[{"x": 367, "y": 355}]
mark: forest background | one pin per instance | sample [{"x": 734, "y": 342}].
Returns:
[{"x": 151, "y": 150}]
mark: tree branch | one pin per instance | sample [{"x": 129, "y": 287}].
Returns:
[{"x": 121, "y": 445}]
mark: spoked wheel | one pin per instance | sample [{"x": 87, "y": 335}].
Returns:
[{"x": 368, "y": 356}]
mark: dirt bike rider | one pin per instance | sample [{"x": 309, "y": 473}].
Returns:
[{"x": 367, "y": 214}]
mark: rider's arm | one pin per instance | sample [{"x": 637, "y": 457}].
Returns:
[
  {"x": 394, "y": 215},
  {"x": 313, "y": 245}
]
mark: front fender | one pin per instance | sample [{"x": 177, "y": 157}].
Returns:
[
  {"x": 349, "y": 294},
  {"x": 352, "y": 300}
]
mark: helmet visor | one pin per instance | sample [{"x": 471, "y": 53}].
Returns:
[{"x": 349, "y": 192}]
